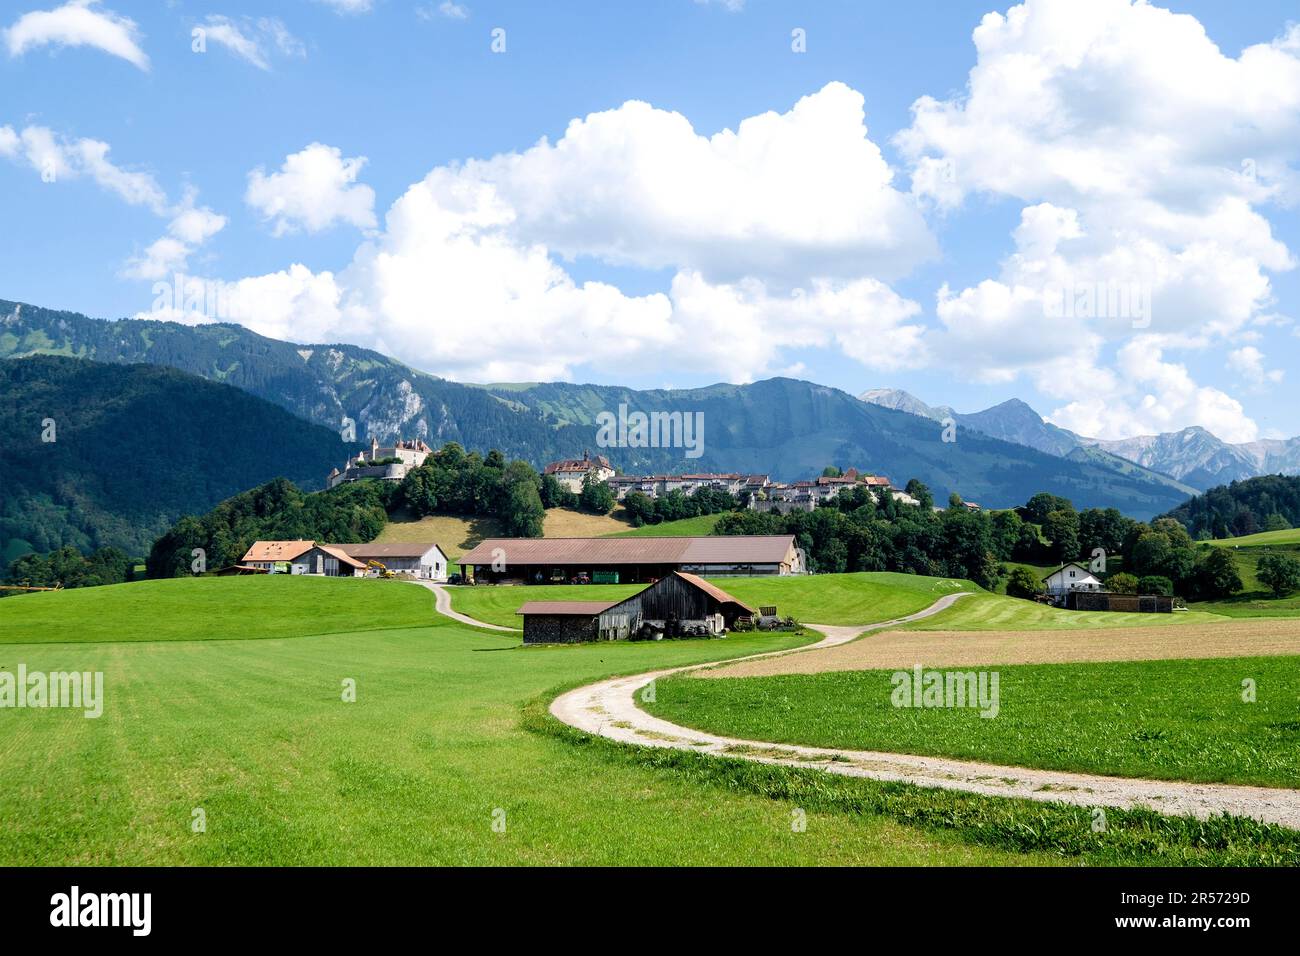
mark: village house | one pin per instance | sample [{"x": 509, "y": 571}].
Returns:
[
  {"x": 679, "y": 604},
  {"x": 627, "y": 560},
  {"x": 656, "y": 486},
  {"x": 386, "y": 462},
  {"x": 570, "y": 472},
  {"x": 1067, "y": 578},
  {"x": 419, "y": 560}
]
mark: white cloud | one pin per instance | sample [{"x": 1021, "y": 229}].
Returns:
[
  {"x": 1144, "y": 155},
  {"x": 1248, "y": 363},
  {"x": 78, "y": 23},
  {"x": 786, "y": 197},
  {"x": 313, "y": 190},
  {"x": 190, "y": 227},
  {"x": 1147, "y": 395},
  {"x": 453, "y": 11},
  {"x": 254, "y": 41},
  {"x": 776, "y": 235},
  {"x": 58, "y": 158},
  {"x": 349, "y": 6}
]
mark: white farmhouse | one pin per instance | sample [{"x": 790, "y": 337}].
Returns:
[{"x": 1070, "y": 577}]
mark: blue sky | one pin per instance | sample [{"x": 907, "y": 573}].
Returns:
[{"x": 808, "y": 248}]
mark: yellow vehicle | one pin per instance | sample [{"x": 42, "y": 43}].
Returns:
[{"x": 379, "y": 566}]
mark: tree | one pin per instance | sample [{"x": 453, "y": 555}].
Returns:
[
  {"x": 640, "y": 508},
  {"x": 1216, "y": 574},
  {"x": 1279, "y": 572},
  {"x": 596, "y": 496},
  {"x": 522, "y": 514},
  {"x": 918, "y": 490},
  {"x": 1023, "y": 583},
  {"x": 1156, "y": 584},
  {"x": 1042, "y": 504},
  {"x": 1061, "y": 527},
  {"x": 1123, "y": 583}
]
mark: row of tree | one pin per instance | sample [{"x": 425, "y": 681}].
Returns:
[
  {"x": 69, "y": 568},
  {"x": 1266, "y": 503}
]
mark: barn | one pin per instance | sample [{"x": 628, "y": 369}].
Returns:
[
  {"x": 677, "y": 605},
  {"x": 629, "y": 560}
]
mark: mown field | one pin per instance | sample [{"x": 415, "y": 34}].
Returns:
[
  {"x": 255, "y": 734},
  {"x": 846, "y": 599},
  {"x": 213, "y": 609},
  {"x": 448, "y": 734},
  {"x": 1171, "y": 720},
  {"x": 992, "y": 612}
]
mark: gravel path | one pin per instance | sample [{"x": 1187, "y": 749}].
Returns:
[
  {"x": 609, "y": 709},
  {"x": 442, "y": 604}
]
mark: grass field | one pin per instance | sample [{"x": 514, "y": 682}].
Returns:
[
  {"x": 211, "y": 608},
  {"x": 448, "y": 734},
  {"x": 1174, "y": 720},
  {"x": 992, "y": 612},
  {"x": 256, "y": 735},
  {"x": 1291, "y": 536},
  {"x": 702, "y": 525},
  {"x": 817, "y": 599}
]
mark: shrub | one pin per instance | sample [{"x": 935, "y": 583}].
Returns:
[
  {"x": 1124, "y": 583},
  {"x": 1023, "y": 583},
  {"x": 1156, "y": 584}
]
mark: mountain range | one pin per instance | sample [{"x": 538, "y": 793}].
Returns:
[
  {"x": 1193, "y": 456},
  {"x": 788, "y": 428}
]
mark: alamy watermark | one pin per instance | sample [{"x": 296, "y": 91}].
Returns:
[
  {"x": 1109, "y": 299},
  {"x": 922, "y": 688},
  {"x": 195, "y": 298},
  {"x": 77, "y": 690},
  {"x": 626, "y": 429}
]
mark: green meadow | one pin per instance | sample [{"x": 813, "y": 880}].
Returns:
[
  {"x": 1171, "y": 720},
  {"x": 844, "y": 599},
  {"x": 225, "y": 704},
  {"x": 992, "y": 612}
]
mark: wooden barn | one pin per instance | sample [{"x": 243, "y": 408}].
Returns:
[{"x": 677, "y": 605}]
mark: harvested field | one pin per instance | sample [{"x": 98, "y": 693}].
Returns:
[{"x": 900, "y": 649}]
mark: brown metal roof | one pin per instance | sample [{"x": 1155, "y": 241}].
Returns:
[
  {"x": 336, "y": 552},
  {"x": 566, "y": 607},
  {"x": 714, "y": 592},
  {"x": 721, "y": 549},
  {"x": 395, "y": 549}
]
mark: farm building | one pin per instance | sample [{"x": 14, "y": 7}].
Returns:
[
  {"x": 418, "y": 559},
  {"x": 676, "y": 605},
  {"x": 301, "y": 557},
  {"x": 1075, "y": 588},
  {"x": 629, "y": 560},
  {"x": 1067, "y": 578}
]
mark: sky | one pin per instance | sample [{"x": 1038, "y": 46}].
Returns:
[{"x": 1088, "y": 206}]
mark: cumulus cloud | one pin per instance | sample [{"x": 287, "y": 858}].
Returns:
[
  {"x": 254, "y": 41},
  {"x": 779, "y": 236},
  {"x": 784, "y": 196},
  {"x": 1146, "y": 395},
  {"x": 1144, "y": 155},
  {"x": 77, "y": 23},
  {"x": 313, "y": 190}
]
